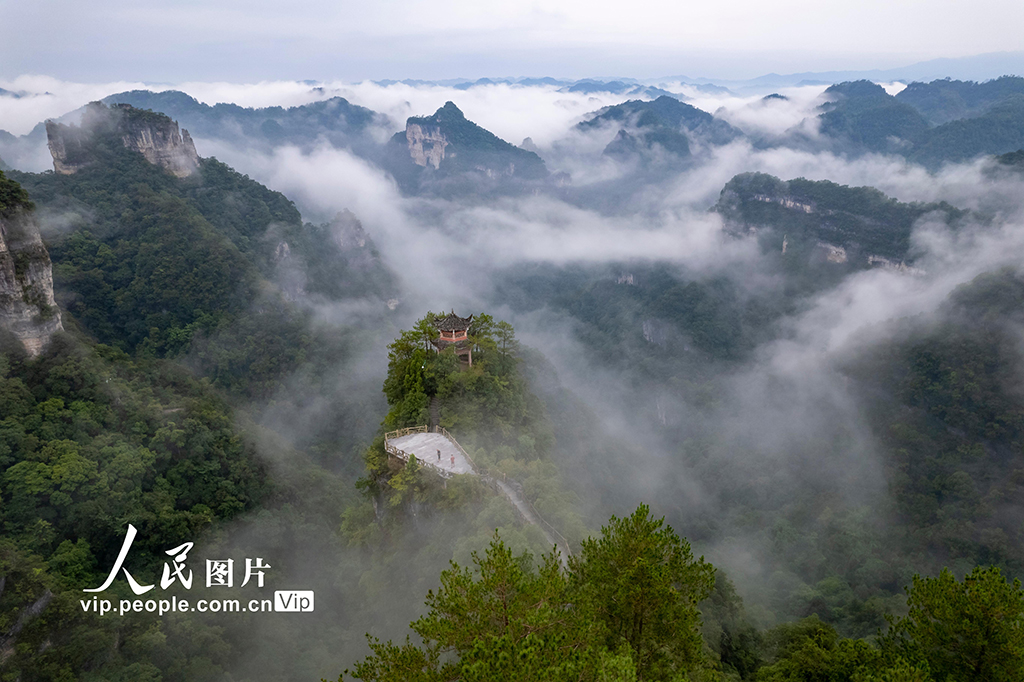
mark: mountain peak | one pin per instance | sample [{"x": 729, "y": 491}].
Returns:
[
  {"x": 861, "y": 88},
  {"x": 454, "y": 146},
  {"x": 152, "y": 134},
  {"x": 449, "y": 109}
]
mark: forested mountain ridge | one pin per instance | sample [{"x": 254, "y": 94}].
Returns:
[
  {"x": 865, "y": 116},
  {"x": 158, "y": 261},
  {"x": 942, "y": 101},
  {"x": 664, "y": 126},
  {"x": 953, "y": 424},
  {"x": 90, "y": 441},
  {"x": 334, "y": 120},
  {"x": 840, "y": 224},
  {"x": 489, "y": 407},
  {"x": 862, "y": 117},
  {"x": 96, "y": 436},
  {"x": 153, "y": 135}
]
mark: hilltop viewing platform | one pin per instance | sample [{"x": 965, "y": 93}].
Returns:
[{"x": 425, "y": 445}]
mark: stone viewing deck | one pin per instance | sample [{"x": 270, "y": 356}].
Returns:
[{"x": 425, "y": 447}]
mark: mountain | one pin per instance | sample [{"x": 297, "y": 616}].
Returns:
[
  {"x": 167, "y": 261},
  {"x": 335, "y": 120},
  {"x": 1014, "y": 160},
  {"x": 589, "y": 87},
  {"x": 155, "y": 136},
  {"x": 446, "y": 153},
  {"x": 188, "y": 301},
  {"x": 947, "y": 100},
  {"x": 72, "y": 405},
  {"x": 658, "y": 132},
  {"x": 997, "y": 131},
  {"x": 823, "y": 221},
  {"x": 861, "y": 117},
  {"x": 976, "y": 67},
  {"x": 665, "y": 114},
  {"x": 864, "y": 116},
  {"x": 547, "y": 80}
]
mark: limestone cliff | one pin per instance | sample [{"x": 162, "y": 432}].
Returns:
[
  {"x": 153, "y": 135},
  {"x": 27, "y": 308},
  {"x": 426, "y": 144},
  {"x": 450, "y": 143}
]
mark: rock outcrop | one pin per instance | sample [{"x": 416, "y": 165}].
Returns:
[
  {"x": 426, "y": 144},
  {"x": 27, "y": 307},
  {"x": 153, "y": 135},
  {"x": 446, "y": 153}
]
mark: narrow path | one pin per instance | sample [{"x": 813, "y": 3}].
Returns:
[
  {"x": 531, "y": 518},
  {"x": 426, "y": 446}
]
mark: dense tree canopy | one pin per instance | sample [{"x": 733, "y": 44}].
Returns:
[{"x": 626, "y": 609}]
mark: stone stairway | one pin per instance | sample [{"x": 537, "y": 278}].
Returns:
[{"x": 435, "y": 413}]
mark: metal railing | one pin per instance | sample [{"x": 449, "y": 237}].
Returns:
[
  {"x": 444, "y": 432},
  {"x": 404, "y": 432},
  {"x": 566, "y": 547},
  {"x": 517, "y": 488}
]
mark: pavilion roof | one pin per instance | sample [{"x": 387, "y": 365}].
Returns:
[{"x": 452, "y": 322}]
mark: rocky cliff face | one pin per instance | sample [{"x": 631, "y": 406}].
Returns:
[
  {"x": 153, "y": 135},
  {"x": 426, "y": 144},
  {"x": 27, "y": 308}
]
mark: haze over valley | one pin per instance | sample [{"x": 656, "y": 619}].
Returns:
[{"x": 752, "y": 341}]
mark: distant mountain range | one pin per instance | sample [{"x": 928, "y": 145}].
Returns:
[
  {"x": 973, "y": 119},
  {"x": 977, "y": 67},
  {"x": 445, "y": 153}
]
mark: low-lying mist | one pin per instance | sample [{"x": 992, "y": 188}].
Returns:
[
  {"x": 711, "y": 441},
  {"x": 785, "y": 420}
]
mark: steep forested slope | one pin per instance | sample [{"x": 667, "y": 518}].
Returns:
[{"x": 146, "y": 260}]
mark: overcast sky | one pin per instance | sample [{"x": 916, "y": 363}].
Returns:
[{"x": 177, "y": 40}]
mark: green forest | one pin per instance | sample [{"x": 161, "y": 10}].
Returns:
[
  {"x": 629, "y": 607},
  {"x": 228, "y": 371}
]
